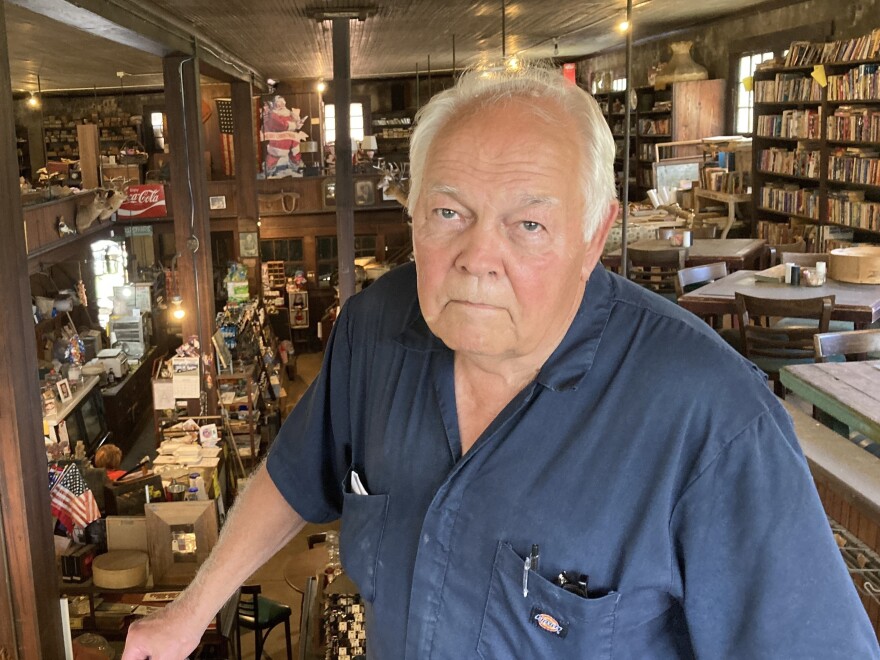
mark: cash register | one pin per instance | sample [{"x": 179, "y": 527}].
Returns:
[{"x": 115, "y": 361}]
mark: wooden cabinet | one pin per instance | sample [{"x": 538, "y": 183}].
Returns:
[{"x": 126, "y": 403}]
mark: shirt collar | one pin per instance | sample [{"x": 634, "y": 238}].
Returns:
[{"x": 572, "y": 359}]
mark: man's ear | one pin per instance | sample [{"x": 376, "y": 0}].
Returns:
[{"x": 597, "y": 242}]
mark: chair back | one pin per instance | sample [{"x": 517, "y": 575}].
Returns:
[
  {"x": 688, "y": 279},
  {"x": 770, "y": 347},
  {"x": 772, "y": 252},
  {"x": 805, "y": 259},
  {"x": 706, "y": 231},
  {"x": 249, "y": 602},
  {"x": 655, "y": 269},
  {"x": 855, "y": 344}
]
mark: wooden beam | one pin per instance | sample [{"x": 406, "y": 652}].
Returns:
[
  {"x": 344, "y": 175},
  {"x": 148, "y": 29},
  {"x": 29, "y": 584},
  {"x": 245, "y": 147},
  {"x": 192, "y": 229}
]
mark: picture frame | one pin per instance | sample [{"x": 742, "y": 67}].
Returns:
[
  {"x": 329, "y": 196},
  {"x": 180, "y": 536},
  {"x": 64, "y": 391},
  {"x": 217, "y": 202},
  {"x": 364, "y": 193},
  {"x": 248, "y": 244}
]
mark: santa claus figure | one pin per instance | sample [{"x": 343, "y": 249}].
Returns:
[{"x": 282, "y": 134}]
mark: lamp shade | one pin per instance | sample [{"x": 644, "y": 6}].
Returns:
[
  {"x": 308, "y": 147},
  {"x": 369, "y": 143}
]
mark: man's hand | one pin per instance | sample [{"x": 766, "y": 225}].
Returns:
[{"x": 169, "y": 634}]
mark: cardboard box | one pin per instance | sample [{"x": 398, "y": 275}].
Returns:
[
  {"x": 859, "y": 264},
  {"x": 126, "y": 533}
]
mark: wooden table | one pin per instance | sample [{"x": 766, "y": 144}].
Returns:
[
  {"x": 731, "y": 199},
  {"x": 859, "y": 303},
  {"x": 737, "y": 253},
  {"x": 848, "y": 391}
]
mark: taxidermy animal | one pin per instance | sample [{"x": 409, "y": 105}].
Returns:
[
  {"x": 102, "y": 207},
  {"x": 394, "y": 183},
  {"x": 62, "y": 228}
]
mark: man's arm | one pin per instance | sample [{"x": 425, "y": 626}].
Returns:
[{"x": 259, "y": 524}]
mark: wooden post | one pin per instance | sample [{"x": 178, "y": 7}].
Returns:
[
  {"x": 344, "y": 175},
  {"x": 192, "y": 229},
  {"x": 28, "y": 579},
  {"x": 246, "y": 165}
]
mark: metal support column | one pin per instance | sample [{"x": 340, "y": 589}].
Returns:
[{"x": 344, "y": 175}]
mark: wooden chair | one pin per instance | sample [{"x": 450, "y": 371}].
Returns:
[
  {"x": 258, "y": 613},
  {"x": 690, "y": 279},
  {"x": 771, "y": 252},
  {"x": 853, "y": 345},
  {"x": 803, "y": 259},
  {"x": 771, "y": 347},
  {"x": 706, "y": 231},
  {"x": 656, "y": 269}
]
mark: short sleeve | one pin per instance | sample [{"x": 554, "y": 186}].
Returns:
[
  {"x": 310, "y": 456},
  {"x": 762, "y": 576}
]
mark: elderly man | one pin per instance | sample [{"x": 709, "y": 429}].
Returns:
[{"x": 533, "y": 458}]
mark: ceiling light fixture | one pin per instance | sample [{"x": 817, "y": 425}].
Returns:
[
  {"x": 321, "y": 86},
  {"x": 352, "y": 13},
  {"x": 33, "y": 102}
]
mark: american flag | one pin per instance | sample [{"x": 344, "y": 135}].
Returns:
[
  {"x": 227, "y": 128},
  {"x": 71, "y": 500}
]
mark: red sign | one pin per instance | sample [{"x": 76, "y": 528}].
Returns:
[
  {"x": 569, "y": 70},
  {"x": 146, "y": 201}
]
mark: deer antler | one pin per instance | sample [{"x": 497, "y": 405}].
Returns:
[{"x": 393, "y": 183}]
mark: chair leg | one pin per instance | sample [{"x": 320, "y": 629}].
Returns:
[
  {"x": 258, "y": 644},
  {"x": 237, "y": 640},
  {"x": 287, "y": 638}
]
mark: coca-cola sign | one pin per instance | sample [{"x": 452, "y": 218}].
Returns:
[{"x": 145, "y": 201}]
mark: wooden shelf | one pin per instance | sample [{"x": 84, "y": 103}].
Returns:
[
  {"x": 789, "y": 213},
  {"x": 658, "y": 136},
  {"x": 844, "y": 184},
  {"x": 795, "y": 177},
  {"x": 779, "y": 138},
  {"x": 854, "y": 143},
  {"x": 787, "y": 104}
]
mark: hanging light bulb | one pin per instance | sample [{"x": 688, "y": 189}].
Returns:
[
  {"x": 623, "y": 26},
  {"x": 33, "y": 102},
  {"x": 321, "y": 86},
  {"x": 178, "y": 312}
]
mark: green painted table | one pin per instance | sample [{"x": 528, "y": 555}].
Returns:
[{"x": 847, "y": 391}]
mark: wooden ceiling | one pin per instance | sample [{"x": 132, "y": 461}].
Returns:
[{"x": 281, "y": 39}]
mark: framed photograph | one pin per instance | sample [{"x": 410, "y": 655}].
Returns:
[
  {"x": 387, "y": 197},
  {"x": 180, "y": 536},
  {"x": 217, "y": 202},
  {"x": 248, "y": 244},
  {"x": 364, "y": 193},
  {"x": 329, "y": 188},
  {"x": 63, "y": 387}
]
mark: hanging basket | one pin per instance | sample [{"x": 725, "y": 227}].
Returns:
[{"x": 132, "y": 153}]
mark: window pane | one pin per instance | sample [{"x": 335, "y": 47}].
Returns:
[
  {"x": 296, "y": 249},
  {"x": 266, "y": 251},
  {"x": 745, "y": 67},
  {"x": 326, "y": 247},
  {"x": 281, "y": 251},
  {"x": 744, "y": 120}
]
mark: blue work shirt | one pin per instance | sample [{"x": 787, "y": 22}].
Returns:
[{"x": 645, "y": 454}]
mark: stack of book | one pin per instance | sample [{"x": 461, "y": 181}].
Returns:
[
  {"x": 861, "y": 83},
  {"x": 855, "y": 165},
  {"x": 787, "y": 87},
  {"x": 798, "y": 162},
  {"x": 801, "y": 124},
  {"x": 805, "y": 53},
  {"x": 855, "y": 124},
  {"x": 790, "y": 198}
]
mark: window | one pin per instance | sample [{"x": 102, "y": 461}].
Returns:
[
  {"x": 328, "y": 255},
  {"x": 356, "y": 118},
  {"x": 288, "y": 250},
  {"x": 745, "y": 100},
  {"x": 110, "y": 265},
  {"x": 618, "y": 85}
]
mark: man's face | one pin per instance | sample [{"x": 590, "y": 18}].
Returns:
[{"x": 498, "y": 231}]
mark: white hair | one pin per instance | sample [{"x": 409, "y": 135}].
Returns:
[{"x": 485, "y": 87}]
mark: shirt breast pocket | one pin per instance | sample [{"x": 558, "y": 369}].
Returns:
[
  {"x": 360, "y": 539},
  {"x": 548, "y": 623}
]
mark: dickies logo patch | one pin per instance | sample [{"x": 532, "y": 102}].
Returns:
[{"x": 548, "y": 623}]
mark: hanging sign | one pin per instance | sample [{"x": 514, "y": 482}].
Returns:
[
  {"x": 144, "y": 201},
  {"x": 138, "y": 230}
]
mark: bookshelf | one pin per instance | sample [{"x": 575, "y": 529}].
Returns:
[
  {"x": 816, "y": 149},
  {"x": 684, "y": 111}
]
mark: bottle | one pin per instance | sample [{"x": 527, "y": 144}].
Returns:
[
  {"x": 333, "y": 568},
  {"x": 192, "y": 495},
  {"x": 196, "y": 481}
]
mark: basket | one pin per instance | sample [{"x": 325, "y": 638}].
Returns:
[{"x": 132, "y": 153}]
